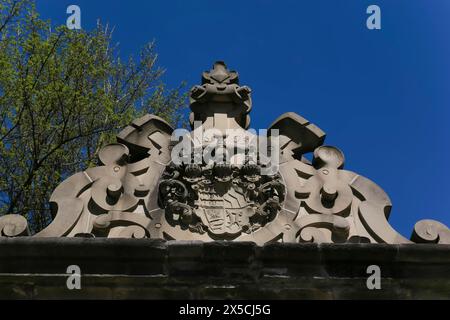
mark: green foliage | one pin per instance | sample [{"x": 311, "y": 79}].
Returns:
[{"x": 64, "y": 94}]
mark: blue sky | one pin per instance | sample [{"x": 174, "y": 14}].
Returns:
[{"x": 380, "y": 95}]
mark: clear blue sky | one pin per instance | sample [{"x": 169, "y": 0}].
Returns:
[{"x": 381, "y": 96}]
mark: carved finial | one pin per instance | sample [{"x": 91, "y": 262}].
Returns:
[
  {"x": 220, "y": 93},
  {"x": 220, "y": 74}
]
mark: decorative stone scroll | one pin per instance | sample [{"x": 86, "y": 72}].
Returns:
[{"x": 139, "y": 190}]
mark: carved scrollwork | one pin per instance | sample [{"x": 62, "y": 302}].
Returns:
[
  {"x": 135, "y": 232},
  {"x": 323, "y": 228},
  {"x": 13, "y": 225},
  {"x": 128, "y": 225},
  {"x": 313, "y": 235},
  {"x": 430, "y": 231}
]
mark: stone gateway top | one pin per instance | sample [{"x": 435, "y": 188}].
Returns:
[{"x": 223, "y": 181}]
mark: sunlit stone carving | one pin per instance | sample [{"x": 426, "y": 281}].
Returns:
[{"x": 140, "y": 191}]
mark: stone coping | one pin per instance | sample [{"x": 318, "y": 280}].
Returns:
[{"x": 218, "y": 259}]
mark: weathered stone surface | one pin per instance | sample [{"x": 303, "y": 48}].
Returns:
[
  {"x": 157, "y": 183},
  {"x": 151, "y": 223},
  {"x": 152, "y": 269}
]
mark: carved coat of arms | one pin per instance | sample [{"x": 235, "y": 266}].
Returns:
[{"x": 223, "y": 200}]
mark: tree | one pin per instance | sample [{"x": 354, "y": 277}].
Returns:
[{"x": 63, "y": 94}]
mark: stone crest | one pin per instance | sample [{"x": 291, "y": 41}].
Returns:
[{"x": 222, "y": 200}]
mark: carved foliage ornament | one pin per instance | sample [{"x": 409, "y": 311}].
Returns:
[{"x": 139, "y": 191}]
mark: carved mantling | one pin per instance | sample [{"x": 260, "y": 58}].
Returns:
[{"x": 137, "y": 191}]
